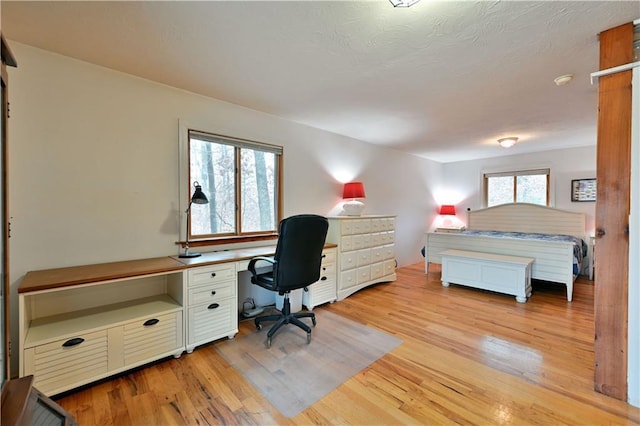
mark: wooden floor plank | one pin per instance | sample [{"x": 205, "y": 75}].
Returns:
[{"x": 468, "y": 357}]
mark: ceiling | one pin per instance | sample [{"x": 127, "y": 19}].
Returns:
[{"x": 442, "y": 79}]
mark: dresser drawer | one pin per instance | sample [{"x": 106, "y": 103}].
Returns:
[
  {"x": 212, "y": 321},
  {"x": 146, "y": 338},
  {"x": 56, "y": 366},
  {"x": 327, "y": 271},
  {"x": 348, "y": 279},
  {"x": 364, "y": 257},
  {"x": 348, "y": 260},
  {"x": 211, "y": 274},
  {"x": 212, "y": 292},
  {"x": 329, "y": 256}
]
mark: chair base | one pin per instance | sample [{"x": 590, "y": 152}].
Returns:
[{"x": 286, "y": 317}]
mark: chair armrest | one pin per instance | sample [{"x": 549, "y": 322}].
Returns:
[{"x": 252, "y": 263}]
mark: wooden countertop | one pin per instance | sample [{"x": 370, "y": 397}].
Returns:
[{"x": 75, "y": 275}]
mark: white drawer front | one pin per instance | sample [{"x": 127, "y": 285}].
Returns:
[
  {"x": 212, "y": 292},
  {"x": 56, "y": 366},
  {"x": 145, "y": 341},
  {"x": 377, "y": 270},
  {"x": 328, "y": 271},
  {"x": 348, "y": 260},
  {"x": 389, "y": 224},
  {"x": 348, "y": 279},
  {"x": 364, "y": 274},
  {"x": 377, "y": 254},
  {"x": 364, "y": 257},
  {"x": 377, "y": 225},
  {"x": 211, "y": 274},
  {"x": 389, "y": 267},
  {"x": 361, "y": 241},
  {"x": 346, "y": 243},
  {"x": 346, "y": 227},
  {"x": 388, "y": 237},
  {"x": 361, "y": 226},
  {"x": 209, "y": 322},
  {"x": 389, "y": 251},
  {"x": 329, "y": 256}
]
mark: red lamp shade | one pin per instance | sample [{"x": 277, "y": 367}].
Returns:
[
  {"x": 353, "y": 190},
  {"x": 448, "y": 210}
]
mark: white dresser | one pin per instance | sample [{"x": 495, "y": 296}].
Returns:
[
  {"x": 324, "y": 290},
  {"x": 366, "y": 251}
]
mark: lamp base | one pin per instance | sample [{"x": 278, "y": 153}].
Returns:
[
  {"x": 353, "y": 208},
  {"x": 190, "y": 254}
]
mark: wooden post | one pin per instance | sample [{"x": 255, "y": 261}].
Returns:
[{"x": 612, "y": 214}]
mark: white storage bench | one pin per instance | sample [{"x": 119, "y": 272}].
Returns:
[{"x": 494, "y": 272}]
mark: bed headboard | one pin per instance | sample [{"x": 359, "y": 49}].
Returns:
[{"x": 525, "y": 217}]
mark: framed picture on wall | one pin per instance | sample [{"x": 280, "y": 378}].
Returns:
[{"x": 583, "y": 189}]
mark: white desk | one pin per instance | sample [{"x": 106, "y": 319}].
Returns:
[{"x": 84, "y": 323}]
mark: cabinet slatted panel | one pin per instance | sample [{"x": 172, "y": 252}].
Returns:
[
  {"x": 55, "y": 366},
  {"x": 141, "y": 342},
  {"x": 210, "y": 324}
]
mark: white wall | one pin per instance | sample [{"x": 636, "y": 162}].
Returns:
[
  {"x": 93, "y": 166},
  {"x": 465, "y": 178}
]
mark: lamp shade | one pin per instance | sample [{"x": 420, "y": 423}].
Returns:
[
  {"x": 198, "y": 196},
  {"x": 353, "y": 190},
  {"x": 448, "y": 210}
]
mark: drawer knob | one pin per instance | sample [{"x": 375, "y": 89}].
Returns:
[
  {"x": 213, "y": 274},
  {"x": 73, "y": 342},
  {"x": 152, "y": 321},
  {"x": 323, "y": 279},
  {"x": 213, "y": 292},
  {"x": 213, "y": 306}
]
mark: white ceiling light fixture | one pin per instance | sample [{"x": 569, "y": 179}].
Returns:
[
  {"x": 403, "y": 3},
  {"x": 508, "y": 142},
  {"x": 563, "y": 79}
]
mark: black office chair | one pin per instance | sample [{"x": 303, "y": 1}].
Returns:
[{"x": 296, "y": 265}]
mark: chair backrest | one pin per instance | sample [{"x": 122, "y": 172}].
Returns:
[{"x": 299, "y": 251}]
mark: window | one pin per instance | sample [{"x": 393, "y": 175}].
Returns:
[
  {"x": 241, "y": 179},
  {"x": 527, "y": 186}
]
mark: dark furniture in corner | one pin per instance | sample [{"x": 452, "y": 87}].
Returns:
[{"x": 296, "y": 265}]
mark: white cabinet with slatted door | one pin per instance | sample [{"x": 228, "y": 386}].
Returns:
[
  {"x": 68, "y": 362},
  {"x": 74, "y": 335},
  {"x": 323, "y": 290},
  {"x": 212, "y": 309}
]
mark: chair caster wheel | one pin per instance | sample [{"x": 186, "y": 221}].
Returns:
[
  {"x": 308, "y": 338},
  {"x": 259, "y": 327},
  {"x": 313, "y": 320},
  {"x": 268, "y": 342}
]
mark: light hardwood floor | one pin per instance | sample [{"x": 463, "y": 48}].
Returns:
[{"x": 467, "y": 357}]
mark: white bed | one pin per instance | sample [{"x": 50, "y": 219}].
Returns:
[{"x": 553, "y": 259}]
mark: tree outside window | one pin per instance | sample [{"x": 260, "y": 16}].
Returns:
[
  {"x": 528, "y": 186},
  {"x": 240, "y": 179}
]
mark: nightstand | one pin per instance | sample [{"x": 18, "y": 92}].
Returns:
[{"x": 448, "y": 230}]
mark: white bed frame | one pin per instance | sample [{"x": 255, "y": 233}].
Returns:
[{"x": 553, "y": 259}]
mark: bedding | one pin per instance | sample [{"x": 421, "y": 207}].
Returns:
[{"x": 580, "y": 247}]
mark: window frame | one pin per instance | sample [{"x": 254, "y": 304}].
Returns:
[
  {"x": 515, "y": 173},
  {"x": 186, "y": 186}
]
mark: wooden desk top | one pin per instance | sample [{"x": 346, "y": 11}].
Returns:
[
  {"x": 63, "y": 277},
  {"x": 48, "y": 279}
]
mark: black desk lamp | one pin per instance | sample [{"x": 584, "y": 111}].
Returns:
[{"x": 198, "y": 197}]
